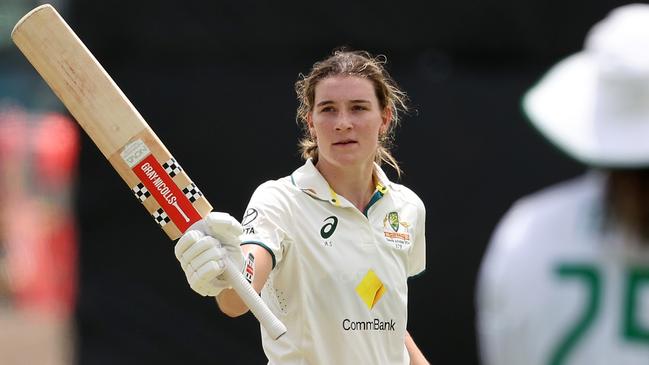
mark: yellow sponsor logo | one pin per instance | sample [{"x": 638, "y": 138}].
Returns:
[{"x": 370, "y": 289}]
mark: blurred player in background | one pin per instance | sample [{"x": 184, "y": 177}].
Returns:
[
  {"x": 333, "y": 244},
  {"x": 566, "y": 276}
]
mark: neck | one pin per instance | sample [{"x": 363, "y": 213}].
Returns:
[{"x": 355, "y": 184}]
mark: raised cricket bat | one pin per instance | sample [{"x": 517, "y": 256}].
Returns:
[{"x": 122, "y": 135}]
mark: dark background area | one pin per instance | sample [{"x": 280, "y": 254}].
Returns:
[{"x": 215, "y": 81}]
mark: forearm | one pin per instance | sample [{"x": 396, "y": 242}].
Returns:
[
  {"x": 228, "y": 300},
  {"x": 416, "y": 356},
  {"x": 231, "y": 304}
]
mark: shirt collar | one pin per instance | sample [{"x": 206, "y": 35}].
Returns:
[{"x": 308, "y": 179}]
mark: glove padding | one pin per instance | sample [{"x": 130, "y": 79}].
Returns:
[{"x": 203, "y": 248}]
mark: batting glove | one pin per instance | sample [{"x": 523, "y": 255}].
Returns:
[{"x": 202, "y": 250}]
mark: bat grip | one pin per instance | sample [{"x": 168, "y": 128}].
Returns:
[{"x": 268, "y": 320}]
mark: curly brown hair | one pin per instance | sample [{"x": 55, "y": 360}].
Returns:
[{"x": 360, "y": 64}]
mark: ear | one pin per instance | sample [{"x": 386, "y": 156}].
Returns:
[
  {"x": 309, "y": 124},
  {"x": 386, "y": 120}
]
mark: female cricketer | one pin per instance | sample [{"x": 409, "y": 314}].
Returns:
[
  {"x": 331, "y": 246},
  {"x": 566, "y": 277}
]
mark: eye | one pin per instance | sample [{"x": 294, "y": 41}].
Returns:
[
  {"x": 327, "y": 109},
  {"x": 359, "y": 107}
]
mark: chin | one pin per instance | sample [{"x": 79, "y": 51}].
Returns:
[{"x": 348, "y": 160}]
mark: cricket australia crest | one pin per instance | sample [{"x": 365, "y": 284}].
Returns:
[{"x": 395, "y": 231}]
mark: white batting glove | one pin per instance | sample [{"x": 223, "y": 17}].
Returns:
[{"x": 202, "y": 250}]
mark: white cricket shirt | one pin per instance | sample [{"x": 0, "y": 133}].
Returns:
[
  {"x": 556, "y": 289},
  {"x": 339, "y": 281}
]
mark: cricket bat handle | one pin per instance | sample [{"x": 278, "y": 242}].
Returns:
[{"x": 273, "y": 326}]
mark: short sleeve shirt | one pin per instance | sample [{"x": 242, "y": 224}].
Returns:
[
  {"x": 557, "y": 288},
  {"x": 339, "y": 278}
]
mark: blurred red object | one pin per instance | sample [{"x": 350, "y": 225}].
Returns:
[{"x": 38, "y": 159}]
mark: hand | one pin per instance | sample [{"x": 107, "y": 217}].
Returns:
[{"x": 202, "y": 250}]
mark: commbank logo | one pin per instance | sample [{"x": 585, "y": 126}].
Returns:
[
  {"x": 372, "y": 325},
  {"x": 330, "y": 226},
  {"x": 370, "y": 289}
]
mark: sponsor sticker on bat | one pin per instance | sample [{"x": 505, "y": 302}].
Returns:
[
  {"x": 158, "y": 182},
  {"x": 135, "y": 152}
]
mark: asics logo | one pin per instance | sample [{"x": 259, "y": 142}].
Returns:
[{"x": 330, "y": 227}]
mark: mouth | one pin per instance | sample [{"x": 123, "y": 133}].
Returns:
[{"x": 345, "y": 142}]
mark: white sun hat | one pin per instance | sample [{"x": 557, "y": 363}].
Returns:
[{"x": 594, "y": 105}]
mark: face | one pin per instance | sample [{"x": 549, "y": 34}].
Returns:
[{"x": 346, "y": 121}]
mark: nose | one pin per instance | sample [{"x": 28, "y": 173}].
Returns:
[{"x": 344, "y": 122}]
